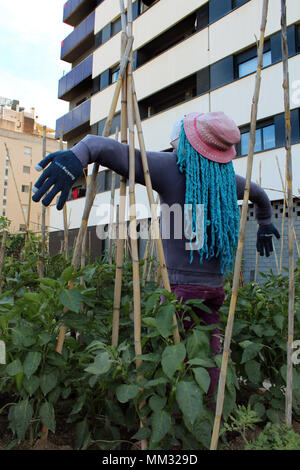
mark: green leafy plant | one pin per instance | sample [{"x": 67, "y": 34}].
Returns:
[
  {"x": 259, "y": 345},
  {"x": 95, "y": 387},
  {"x": 275, "y": 437},
  {"x": 242, "y": 420}
]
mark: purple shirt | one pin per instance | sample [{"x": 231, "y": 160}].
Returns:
[{"x": 170, "y": 185}]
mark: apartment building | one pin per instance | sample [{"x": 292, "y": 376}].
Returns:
[
  {"x": 23, "y": 137},
  {"x": 194, "y": 55}
]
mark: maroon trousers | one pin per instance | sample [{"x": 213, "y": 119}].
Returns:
[{"x": 213, "y": 298}]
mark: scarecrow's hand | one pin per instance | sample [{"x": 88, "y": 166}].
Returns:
[
  {"x": 64, "y": 170},
  {"x": 264, "y": 244}
]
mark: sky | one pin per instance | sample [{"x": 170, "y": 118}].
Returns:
[{"x": 31, "y": 32}]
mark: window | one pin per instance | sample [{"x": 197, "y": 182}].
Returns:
[
  {"x": 174, "y": 35},
  {"x": 114, "y": 73},
  {"x": 238, "y": 3},
  {"x": 264, "y": 139},
  {"x": 25, "y": 188},
  {"x": 6, "y": 171},
  {"x": 246, "y": 62},
  {"x": 298, "y": 38},
  {"x": 22, "y": 228},
  {"x": 116, "y": 27},
  {"x": 4, "y": 191},
  {"x": 27, "y": 150},
  {"x": 250, "y": 66},
  {"x": 3, "y": 212},
  {"x": 26, "y": 169},
  {"x": 176, "y": 93}
]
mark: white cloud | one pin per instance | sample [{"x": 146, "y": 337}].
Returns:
[{"x": 32, "y": 93}]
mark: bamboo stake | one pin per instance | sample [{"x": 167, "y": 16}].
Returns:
[
  {"x": 112, "y": 210},
  {"x": 132, "y": 204},
  {"x": 40, "y": 264},
  {"x": 146, "y": 254},
  {"x": 43, "y": 207},
  {"x": 2, "y": 255},
  {"x": 238, "y": 259},
  {"x": 90, "y": 196},
  {"x": 256, "y": 260},
  {"x": 151, "y": 260},
  {"x": 132, "y": 214},
  {"x": 122, "y": 226},
  {"x": 289, "y": 176},
  {"x": 91, "y": 190},
  {"x": 153, "y": 207},
  {"x": 65, "y": 214},
  {"x": 16, "y": 186},
  {"x": 296, "y": 241},
  {"x": 284, "y": 190},
  {"x": 29, "y": 210},
  {"x": 283, "y": 214}
]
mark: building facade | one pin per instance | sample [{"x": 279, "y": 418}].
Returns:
[
  {"x": 188, "y": 56},
  {"x": 23, "y": 137}
]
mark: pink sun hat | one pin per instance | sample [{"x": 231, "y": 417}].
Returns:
[{"x": 213, "y": 135}]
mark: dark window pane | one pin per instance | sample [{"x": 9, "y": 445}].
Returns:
[
  {"x": 218, "y": 8},
  {"x": 222, "y": 72},
  {"x": 203, "y": 79},
  {"x": 298, "y": 37},
  {"x": 238, "y": 3},
  {"x": 116, "y": 27},
  {"x": 106, "y": 33}
]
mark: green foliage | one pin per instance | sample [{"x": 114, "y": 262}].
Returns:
[
  {"x": 259, "y": 343},
  {"x": 96, "y": 386},
  {"x": 275, "y": 437},
  {"x": 242, "y": 420}
]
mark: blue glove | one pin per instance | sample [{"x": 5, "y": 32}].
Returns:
[
  {"x": 61, "y": 174},
  {"x": 264, "y": 239}
]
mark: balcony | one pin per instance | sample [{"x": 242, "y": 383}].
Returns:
[
  {"x": 79, "y": 41},
  {"x": 75, "y": 122},
  {"x": 77, "y": 80},
  {"x": 76, "y": 10}
]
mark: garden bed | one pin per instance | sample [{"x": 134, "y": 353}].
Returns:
[{"x": 92, "y": 396}]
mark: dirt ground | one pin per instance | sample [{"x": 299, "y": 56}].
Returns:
[{"x": 64, "y": 437}]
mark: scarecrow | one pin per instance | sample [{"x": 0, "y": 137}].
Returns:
[{"x": 198, "y": 175}]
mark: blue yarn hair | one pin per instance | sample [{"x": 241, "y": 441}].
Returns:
[{"x": 213, "y": 185}]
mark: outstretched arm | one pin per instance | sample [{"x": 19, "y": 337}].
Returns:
[
  {"x": 115, "y": 156},
  {"x": 67, "y": 166},
  {"x": 263, "y": 213},
  {"x": 262, "y": 205}
]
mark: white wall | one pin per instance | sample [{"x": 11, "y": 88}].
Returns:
[
  {"x": 235, "y": 99},
  {"x": 241, "y": 28}
]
